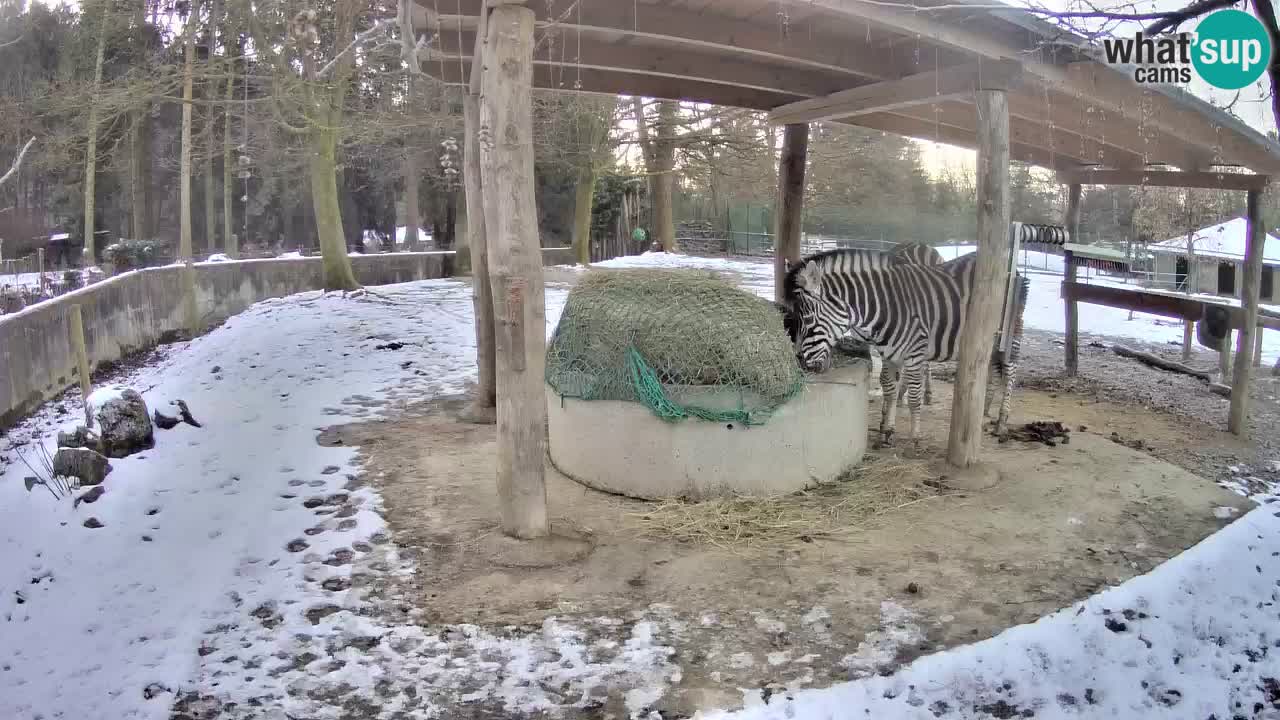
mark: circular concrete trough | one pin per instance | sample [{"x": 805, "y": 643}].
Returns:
[{"x": 622, "y": 447}]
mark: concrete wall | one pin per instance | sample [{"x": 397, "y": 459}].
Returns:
[
  {"x": 623, "y": 448},
  {"x": 135, "y": 310}
]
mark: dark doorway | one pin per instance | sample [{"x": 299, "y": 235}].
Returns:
[
  {"x": 1227, "y": 279},
  {"x": 1266, "y": 282},
  {"x": 1180, "y": 273}
]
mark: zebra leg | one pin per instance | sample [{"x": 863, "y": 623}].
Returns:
[
  {"x": 913, "y": 376},
  {"x": 928, "y": 384},
  {"x": 1010, "y": 361},
  {"x": 902, "y": 391},
  {"x": 889, "y": 377}
]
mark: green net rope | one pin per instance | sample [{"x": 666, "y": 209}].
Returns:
[{"x": 653, "y": 396}]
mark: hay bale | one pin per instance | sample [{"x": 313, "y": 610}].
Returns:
[{"x": 649, "y": 335}]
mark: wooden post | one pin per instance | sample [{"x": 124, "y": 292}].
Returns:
[
  {"x": 790, "y": 220},
  {"x": 40, "y": 268},
  {"x": 75, "y": 322},
  {"x": 515, "y": 266},
  {"x": 1071, "y": 361},
  {"x": 483, "y": 407},
  {"x": 964, "y": 445},
  {"x": 1257, "y": 347},
  {"x": 1237, "y": 421}
]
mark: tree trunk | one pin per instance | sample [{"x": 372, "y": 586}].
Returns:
[
  {"x": 184, "y": 162},
  {"x": 1071, "y": 358},
  {"x": 412, "y": 214},
  {"x": 211, "y": 119},
  {"x": 664, "y": 180},
  {"x": 646, "y": 154},
  {"x": 231, "y": 242},
  {"x": 1188, "y": 326},
  {"x": 583, "y": 199},
  {"x": 511, "y": 218},
  {"x": 91, "y": 145},
  {"x": 483, "y": 409},
  {"x": 789, "y": 223},
  {"x": 450, "y": 220},
  {"x": 323, "y": 165},
  {"x": 137, "y": 174}
]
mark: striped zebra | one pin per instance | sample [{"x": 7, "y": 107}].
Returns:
[
  {"x": 912, "y": 314},
  {"x": 907, "y": 253},
  {"x": 912, "y": 253}
]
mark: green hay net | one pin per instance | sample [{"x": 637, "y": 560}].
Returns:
[{"x": 664, "y": 338}]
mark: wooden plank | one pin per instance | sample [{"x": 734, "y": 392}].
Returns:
[
  {"x": 964, "y": 444},
  {"x": 790, "y": 216},
  {"x": 961, "y": 137},
  {"x": 1170, "y": 306},
  {"x": 1238, "y": 417},
  {"x": 1165, "y": 178},
  {"x": 923, "y": 88},
  {"x": 1071, "y": 359},
  {"x": 511, "y": 225}
]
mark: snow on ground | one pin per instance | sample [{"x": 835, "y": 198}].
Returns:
[
  {"x": 204, "y": 576},
  {"x": 1195, "y": 638}
]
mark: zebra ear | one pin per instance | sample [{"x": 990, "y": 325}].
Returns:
[{"x": 810, "y": 277}]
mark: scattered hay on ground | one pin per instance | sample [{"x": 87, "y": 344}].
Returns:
[{"x": 831, "y": 511}]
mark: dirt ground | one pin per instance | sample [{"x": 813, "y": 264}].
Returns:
[{"x": 1062, "y": 523}]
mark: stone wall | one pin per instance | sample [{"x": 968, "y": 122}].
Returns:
[{"x": 135, "y": 310}]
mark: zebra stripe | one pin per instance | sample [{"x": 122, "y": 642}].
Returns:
[
  {"x": 913, "y": 253},
  {"x": 913, "y": 314}
]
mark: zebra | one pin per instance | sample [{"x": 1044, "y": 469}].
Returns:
[
  {"x": 913, "y": 314},
  {"x": 907, "y": 253},
  {"x": 913, "y": 253}
]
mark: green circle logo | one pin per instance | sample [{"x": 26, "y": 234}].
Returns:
[{"x": 1231, "y": 49}]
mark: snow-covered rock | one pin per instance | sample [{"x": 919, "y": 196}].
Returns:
[
  {"x": 124, "y": 425},
  {"x": 89, "y": 466}
]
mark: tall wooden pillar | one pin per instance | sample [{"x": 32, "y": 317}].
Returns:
[
  {"x": 483, "y": 407},
  {"x": 515, "y": 267},
  {"x": 789, "y": 222},
  {"x": 1071, "y": 361},
  {"x": 964, "y": 445},
  {"x": 1237, "y": 421}
]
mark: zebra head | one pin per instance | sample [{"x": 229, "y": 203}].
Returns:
[{"x": 817, "y": 323}]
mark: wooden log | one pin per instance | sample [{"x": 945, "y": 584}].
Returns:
[
  {"x": 964, "y": 444},
  {"x": 1220, "y": 389},
  {"x": 788, "y": 226},
  {"x": 483, "y": 406},
  {"x": 75, "y": 324},
  {"x": 1071, "y": 360},
  {"x": 1158, "y": 362},
  {"x": 515, "y": 267},
  {"x": 1237, "y": 420}
]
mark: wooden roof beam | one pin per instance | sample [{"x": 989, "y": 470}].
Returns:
[
  {"x": 921, "y": 89},
  {"x": 1165, "y": 178},
  {"x": 680, "y": 62},
  {"x": 697, "y": 28},
  {"x": 1179, "y": 116},
  {"x": 960, "y": 137}
]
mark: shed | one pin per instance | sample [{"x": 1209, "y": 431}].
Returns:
[
  {"x": 1219, "y": 254},
  {"x": 971, "y": 73}
]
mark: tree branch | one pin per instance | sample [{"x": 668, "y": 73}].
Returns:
[
  {"x": 1195, "y": 9},
  {"x": 360, "y": 39},
  {"x": 1267, "y": 14},
  {"x": 7, "y": 43},
  {"x": 17, "y": 163}
]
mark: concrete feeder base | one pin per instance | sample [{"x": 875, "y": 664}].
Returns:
[{"x": 622, "y": 447}]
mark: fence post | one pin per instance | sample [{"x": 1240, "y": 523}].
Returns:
[
  {"x": 40, "y": 268},
  {"x": 76, "y": 323}
]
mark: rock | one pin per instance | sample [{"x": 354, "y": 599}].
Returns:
[
  {"x": 93, "y": 523},
  {"x": 89, "y": 466},
  {"x": 81, "y": 437},
  {"x": 164, "y": 422},
  {"x": 124, "y": 424},
  {"x": 90, "y": 496}
]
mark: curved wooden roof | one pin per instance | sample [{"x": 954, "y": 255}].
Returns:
[{"x": 872, "y": 63}]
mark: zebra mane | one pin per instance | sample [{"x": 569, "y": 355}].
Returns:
[{"x": 824, "y": 261}]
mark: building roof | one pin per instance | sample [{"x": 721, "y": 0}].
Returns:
[
  {"x": 1224, "y": 240},
  {"x": 1067, "y": 109}
]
